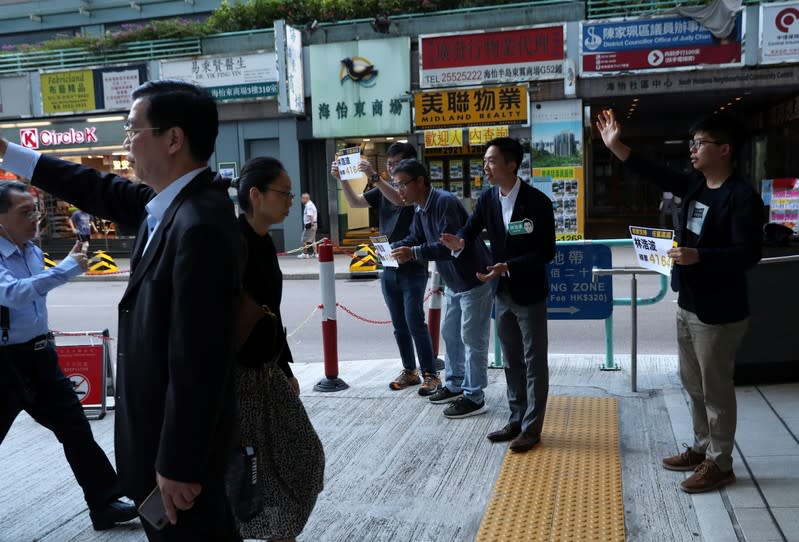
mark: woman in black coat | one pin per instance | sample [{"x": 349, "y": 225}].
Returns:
[
  {"x": 272, "y": 419},
  {"x": 265, "y": 199}
]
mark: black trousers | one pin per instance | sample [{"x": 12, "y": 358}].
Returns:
[{"x": 32, "y": 381}]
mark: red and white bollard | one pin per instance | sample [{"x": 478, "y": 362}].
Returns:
[
  {"x": 434, "y": 314},
  {"x": 327, "y": 281}
]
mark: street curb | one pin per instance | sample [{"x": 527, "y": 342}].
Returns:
[{"x": 123, "y": 277}]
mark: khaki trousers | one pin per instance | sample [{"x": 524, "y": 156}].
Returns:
[{"x": 707, "y": 365}]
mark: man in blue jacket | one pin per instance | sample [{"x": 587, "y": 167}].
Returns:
[
  {"x": 521, "y": 227},
  {"x": 465, "y": 328},
  {"x": 719, "y": 239}
]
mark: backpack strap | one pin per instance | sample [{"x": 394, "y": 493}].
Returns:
[{"x": 5, "y": 319}]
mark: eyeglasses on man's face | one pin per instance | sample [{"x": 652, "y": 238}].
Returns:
[
  {"x": 697, "y": 143},
  {"x": 29, "y": 214},
  {"x": 130, "y": 133},
  {"x": 402, "y": 186},
  {"x": 287, "y": 195}
]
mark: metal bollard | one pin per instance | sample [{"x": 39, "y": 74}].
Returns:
[
  {"x": 327, "y": 281},
  {"x": 434, "y": 315}
]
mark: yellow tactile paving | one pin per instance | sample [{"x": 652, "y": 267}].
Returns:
[{"x": 566, "y": 488}]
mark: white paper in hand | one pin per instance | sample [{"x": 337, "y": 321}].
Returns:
[{"x": 347, "y": 161}]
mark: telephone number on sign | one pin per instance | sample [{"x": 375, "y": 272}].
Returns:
[{"x": 471, "y": 75}]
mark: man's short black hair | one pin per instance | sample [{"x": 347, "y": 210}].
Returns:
[
  {"x": 723, "y": 128},
  {"x": 186, "y": 106},
  {"x": 405, "y": 150},
  {"x": 259, "y": 172},
  {"x": 414, "y": 168},
  {"x": 510, "y": 149},
  {"x": 6, "y": 187}
]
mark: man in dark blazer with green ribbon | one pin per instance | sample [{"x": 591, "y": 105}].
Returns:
[
  {"x": 174, "y": 403},
  {"x": 521, "y": 227}
]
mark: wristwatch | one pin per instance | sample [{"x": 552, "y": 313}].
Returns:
[{"x": 374, "y": 177}]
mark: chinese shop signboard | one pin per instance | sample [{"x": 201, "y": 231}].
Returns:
[
  {"x": 360, "y": 87},
  {"x": 779, "y": 32},
  {"x": 229, "y": 77},
  {"x": 471, "y": 107},
  {"x": 90, "y": 90},
  {"x": 506, "y": 56},
  {"x": 655, "y": 43}
]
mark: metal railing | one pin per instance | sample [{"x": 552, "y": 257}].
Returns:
[
  {"x": 606, "y": 9},
  {"x": 634, "y": 302},
  {"x": 137, "y": 51}
]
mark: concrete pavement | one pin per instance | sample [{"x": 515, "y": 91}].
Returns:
[{"x": 393, "y": 460}]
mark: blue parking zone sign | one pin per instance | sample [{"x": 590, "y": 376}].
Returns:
[{"x": 572, "y": 293}]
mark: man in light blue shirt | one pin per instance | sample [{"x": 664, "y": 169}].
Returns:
[{"x": 33, "y": 381}]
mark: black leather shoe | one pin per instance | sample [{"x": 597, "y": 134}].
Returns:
[
  {"x": 114, "y": 512},
  {"x": 524, "y": 442},
  {"x": 509, "y": 432}
]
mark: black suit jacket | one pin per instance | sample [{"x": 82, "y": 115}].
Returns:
[
  {"x": 526, "y": 254},
  {"x": 174, "y": 403}
]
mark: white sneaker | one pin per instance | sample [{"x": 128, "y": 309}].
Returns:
[{"x": 302, "y": 256}]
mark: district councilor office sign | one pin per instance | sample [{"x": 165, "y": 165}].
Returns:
[
  {"x": 779, "y": 32},
  {"x": 656, "y": 43},
  {"x": 361, "y": 87},
  {"x": 228, "y": 77},
  {"x": 504, "y": 56},
  {"x": 573, "y": 295},
  {"x": 471, "y": 107}
]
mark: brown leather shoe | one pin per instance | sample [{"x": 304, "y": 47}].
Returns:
[
  {"x": 707, "y": 477},
  {"x": 524, "y": 442},
  {"x": 509, "y": 432},
  {"x": 688, "y": 460},
  {"x": 406, "y": 378}
]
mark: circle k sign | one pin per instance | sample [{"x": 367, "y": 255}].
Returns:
[{"x": 33, "y": 138}]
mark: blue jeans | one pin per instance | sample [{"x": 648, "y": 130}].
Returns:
[
  {"x": 403, "y": 290},
  {"x": 465, "y": 332}
]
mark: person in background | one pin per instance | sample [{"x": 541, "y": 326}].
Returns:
[
  {"x": 669, "y": 206},
  {"x": 404, "y": 286},
  {"x": 719, "y": 240},
  {"x": 32, "y": 379},
  {"x": 82, "y": 226},
  {"x": 309, "y": 217}
]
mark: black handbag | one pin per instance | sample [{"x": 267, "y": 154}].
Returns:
[{"x": 242, "y": 484}]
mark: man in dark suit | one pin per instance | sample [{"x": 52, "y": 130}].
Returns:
[
  {"x": 174, "y": 403},
  {"x": 521, "y": 228}
]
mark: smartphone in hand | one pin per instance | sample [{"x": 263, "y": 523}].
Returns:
[{"x": 152, "y": 510}]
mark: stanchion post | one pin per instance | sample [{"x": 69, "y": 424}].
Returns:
[
  {"x": 327, "y": 281},
  {"x": 434, "y": 315}
]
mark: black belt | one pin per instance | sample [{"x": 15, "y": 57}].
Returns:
[{"x": 39, "y": 342}]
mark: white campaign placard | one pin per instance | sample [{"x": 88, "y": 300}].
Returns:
[
  {"x": 651, "y": 248},
  {"x": 383, "y": 251},
  {"x": 347, "y": 161}
]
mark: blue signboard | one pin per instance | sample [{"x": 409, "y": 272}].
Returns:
[{"x": 573, "y": 295}]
